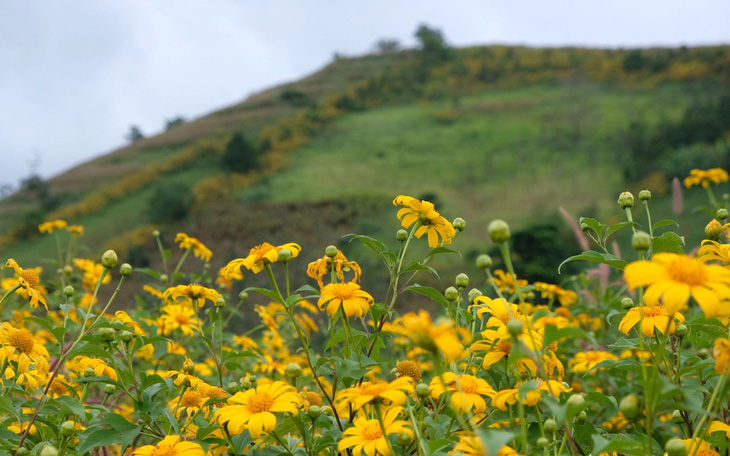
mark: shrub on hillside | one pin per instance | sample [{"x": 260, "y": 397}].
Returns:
[
  {"x": 241, "y": 155},
  {"x": 170, "y": 202}
]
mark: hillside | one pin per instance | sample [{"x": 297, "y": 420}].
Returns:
[{"x": 488, "y": 132}]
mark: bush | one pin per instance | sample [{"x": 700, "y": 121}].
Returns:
[
  {"x": 170, "y": 202},
  {"x": 240, "y": 156},
  {"x": 294, "y": 97}
]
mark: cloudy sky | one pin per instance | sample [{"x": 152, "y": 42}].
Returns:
[{"x": 74, "y": 75}]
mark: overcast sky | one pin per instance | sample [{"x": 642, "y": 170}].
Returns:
[{"x": 74, "y": 75}]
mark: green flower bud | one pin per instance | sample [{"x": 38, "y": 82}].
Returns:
[
  {"x": 677, "y": 417},
  {"x": 125, "y": 269},
  {"x": 484, "y": 261},
  {"x": 22, "y": 451},
  {"x": 243, "y": 296},
  {"x": 246, "y": 384},
  {"x": 473, "y": 294},
  {"x": 59, "y": 271},
  {"x": 331, "y": 251},
  {"x": 49, "y": 450},
  {"x": 626, "y": 199},
  {"x": 542, "y": 442},
  {"x": 641, "y": 241},
  {"x": 68, "y": 428},
  {"x": 314, "y": 411},
  {"x": 109, "y": 259},
  {"x": 499, "y": 231},
  {"x": 451, "y": 294},
  {"x": 220, "y": 302},
  {"x": 585, "y": 227},
  {"x": 682, "y": 330},
  {"x": 107, "y": 334},
  {"x": 550, "y": 425},
  {"x": 126, "y": 336},
  {"x": 515, "y": 327},
  {"x": 164, "y": 278},
  {"x": 401, "y": 235},
  {"x": 627, "y": 303},
  {"x": 462, "y": 280},
  {"x": 530, "y": 296},
  {"x": 422, "y": 390},
  {"x": 629, "y": 406},
  {"x": 285, "y": 255},
  {"x": 69, "y": 291},
  {"x": 156, "y": 233},
  {"x": 459, "y": 224},
  {"x": 721, "y": 214},
  {"x": 110, "y": 389},
  {"x": 575, "y": 403},
  {"x": 703, "y": 353},
  {"x": 89, "y": 372},
  {"x": 293, "y": 370},
  {"x": 404, "y": 439},
  {"x": 645, "y": 195},
  {"x": 675, "y": 447},
  {"x": 582, "y": 417},
  {"x": 233, "y": 388},
  {"x": 327, "y": 410}
]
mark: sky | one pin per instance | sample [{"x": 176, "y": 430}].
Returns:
[{"x": 75, "y": 75}]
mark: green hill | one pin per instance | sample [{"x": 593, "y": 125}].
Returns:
[{"x": 485, "y": 132}]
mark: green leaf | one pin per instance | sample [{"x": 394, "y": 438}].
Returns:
[
  {"x": 594, "y": 224},
  {"x": 429, "y": 292},
  {"x": 592, "y": 255},
  {"x": 274, "y": 296},
  {"x": 376, "y": 246},
  {"x": 149, "y": 271},
  {"x": 662, "y": 223},
  {"x": 439, "y": 250},
  {"x": 414, "y": 266},
  {"x": 7, "y": 406},
  {"x": 613, "y": 228},
  {"x": 623, "y": 444},
  {"x": 66, "y": 402},
  {"x": 668, "y": 242},
  {"x": 112, "y": 429}
]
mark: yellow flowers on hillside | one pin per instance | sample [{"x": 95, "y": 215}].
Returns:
[{"x": 428, "y": 221}]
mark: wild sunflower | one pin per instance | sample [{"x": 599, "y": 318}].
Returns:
[
  {"x": 170, "y": 446},
  {"x": 76, "y": 230},
  {"x": 194, "y": 292},
  {"x": 550, "y": 291},
  {"x": 199, "y": 249},
  {"x": 323, "y": 266},
  {"x": 254, "y": 409},
  {"x": 698, "y": 447},
  {"x": 585, "y": 361},
  {"x": 92, "y": 271},
  {"x": 531, "y": 397},
  {"x": 714, "y": 251},
  {"x": 348, "y": 295},
  {"x": 99, "y": 366},
  {"x": 506, "y": 283},
  {"x": 674, "y": 278},
  {"x": 190, "y": 402},
  {"x": 471, "y": 445},
  {"x": 721, "y": 353},
  {"x": 53, "y": 225},
  {"x": 259, "y": 257},
  {"x": 366, "y": 435},
  {"x": 19, "y": 345},
  {"x": 31, "y": 283},
  {"x": 496, "y": 349},
  {"x": 389, "y": 393},
  {"x": 467, "y": 391},
  {"x": 440, "y": 231},
  {"x": 704, "y": 177},
  {"x": 179, "y": 316},
  {"x": 652, "y": 318},
  {"x": 420, "y": 329}
]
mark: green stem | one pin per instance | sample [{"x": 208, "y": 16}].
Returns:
[
  {"x": 9, "y": 292},
  {"x": 648, "y": 216},
  {"x": 179, "y": 265},
  {"x": 162, "y": 253}
]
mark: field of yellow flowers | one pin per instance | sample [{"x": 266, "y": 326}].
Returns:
[{"x": 632, "y": 357}]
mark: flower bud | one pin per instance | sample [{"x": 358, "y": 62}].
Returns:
[
  {"x": 404, "y": 439},
  {"x": 49, "y": 450},
  {"x": 459, "y": 224},
  {"x": 550, "y": 425},
  {"x": 473, "y": 294},
  {"x": 293, "y": 370},
  {"x": 641, "y": 241},
  {"x": 721, "y": 214},
  {"x": 542, "y": 442},
  {"x": 164, "y": 278},
  {"x": 675, "y": 447},
  {"x": 703, "y": 353},
  {"x": 69, "y": 291},
  {"x": 451, "y": 294},
  {"x": 68, "y": 428},
  {"x": 401, "y": 235},
  {"x": 233, "y": 388},
  {"x": 530, "y": 296},
  {"x": 677, "y": 417},
  {"x": 327, "y": 410},
  {"x": 422, "y": 390},
  {"x": 89, "y": 372},
  {"x": 484, "y": 261},
  {"x": 498, "y": 231},
  {"x": 645, "y": 195},
  {"x": 585, "y": 227},
  {"x": 59, "y": 271},
  {"x": 629, "y": 406},
  {"x": 246, "y": 384},
  {"x": 713, "y": 230},
  {"x": 314, "y": 411},
  {"x": 626, "y": 199},
  {"x": 110, "y": 389},
  {"x": 284, "y": 255},
  {"x": 627, "y": 303},
  {"x": 22, "y": 451},
  {"x": 188, "y": 366},
  {"x": 462, "y": 280},
  {"x": 243, "y": 296},
  {"x": 575, "y": 402},
  {"x": 126, "y": 336},
  {"x": 107, "y": 334},
  {"x": 220, "y": 302},
  {"x": 330, "y": 251},
  {"x": 109, "y": 259},
  {"x": 515, "y": 327},
  {"x": 156, "y": 233},
  {"x": 582, "y": 417},
  {"x": 125, "y": 269},
  {"x": 682, "y": 330}
]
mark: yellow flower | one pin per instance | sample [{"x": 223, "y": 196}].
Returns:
[
  {"x": 255, "y": 408},
  {"x": 531, "y": 397},
  {"x": 190, "y": 243},
  {"x": 190, "y": 402},
  {"x": 194, "y": 292},
  {"x": 550, "y": 291},
  {"x": 19, "y": 345},
  {"x": 53, "y": 225},
  {"x": 259, "y": 257},
  {"x": 419, "y": 328},
  {"x": 585, "y": 361},
  {"x": 122, "y": 316},
  {"x": 99, "y": 366},
  {"x": 348, "y": 295},
  {"x": 471, "y": 445},
  {"x": 59, "y": 387},
  {"x": 704, "y": 177},
  {"x": 367, "y": 435},
  {"x": 651, "y": 317},
  {"x": 245, "y": 342},
  {"x": 170, "y": 446},
  {"x": 697, "y": 447},
  {"x": 711, "y": 250},
  {"x": 92, "y": 272},
  {"x": 466, "y": 391},
  {"x": 179, "y": 316},
  {"x": 227, "y": 281},
  {"x": 721, "y": 353},
  {"x": 153, "y": 291},
  {"x": 440, "y": 231},
  {"x": 506, "y": 283},
  {"x": 19, "y": 429},
  {"x": 323, "y": 266},
  {"x": 392, "y": 393},
  {"x": 719, "y": 426},
  {"x": 75, "y": 230},
  {"x": 673, "y": 278},
  {"x": 31, "y": 283}
]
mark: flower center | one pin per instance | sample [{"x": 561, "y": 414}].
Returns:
[
  {"x": 182, "y": 319},
  {"x": 686, "y": 270},
  {"x": 343, "y": 291},
  {"x": 261, "y": 250},
  {"x": 191, "y": 399},
  {"x": 468, "y": 385},
  {"x": 408, "y": 368},
  {"x": 653, "y": 311},
  {"x": 372, "y": 431},
  {"x": 260, "y": 402},
  {"x": 22, "y": 339},
  {"x": 164, "y": 451},
  {"x": 373, "y": 389},
  {"x": 504, "y": 347},
  {"x": 31, "y": 277},
  {"x": 58, "y": 388}
]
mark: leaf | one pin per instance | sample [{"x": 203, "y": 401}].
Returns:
[
  {"x": 667, "y": 242},
  {"x": 414, "y": 266},
  {"x": 662, "y": 223},
  {"x": 620, "y": 445},
  {"x": 274, "y": 296},
  {"x": 439, "y": 250},
  {"x": 613, "y": 228},
  {"x": 7, "y": 406},
  {"x": 594, "y": 224},
  {"x": 119, "y": 431},
  {"x": 376, "y": 246},
  {"x": 149, "y": 271},
  {"x": 429, "y": 292},
  {"x": 66, "y": 402},
  {"x": 592, "y": 255}
]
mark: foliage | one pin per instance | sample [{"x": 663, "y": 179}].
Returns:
[
  {"x": 134, "y": 134},
  {"x": 170, "y": 202},
  {"x": 240, "y": 156},
  {"x": 174, "y": 122}
]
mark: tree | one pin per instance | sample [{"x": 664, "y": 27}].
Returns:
[
  {"x": 240, "y": 155},
  {"x": 170, "y": 202},
  {"x": 175, "y": 121},
  {"x": 135, "y": 134},
  {"x": 434, "y": 49},
  {"x": 387, "y": 45}
]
